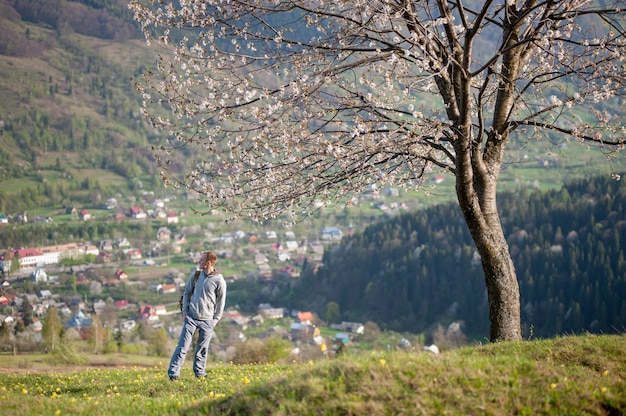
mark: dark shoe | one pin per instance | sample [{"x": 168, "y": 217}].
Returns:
[{"x": 173, "y": 378}]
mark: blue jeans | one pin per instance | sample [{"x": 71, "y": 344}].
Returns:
[{"x": 205, "y": 332}]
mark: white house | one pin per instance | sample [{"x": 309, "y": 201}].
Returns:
[
  {"x": 39, "y": 275},
  {"x": 331, "y": 233}
]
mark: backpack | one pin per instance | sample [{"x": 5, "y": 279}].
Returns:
[{"x": 193, "y": 287}]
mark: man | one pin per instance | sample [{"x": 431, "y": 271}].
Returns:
[{"x": 203, "y": 305}]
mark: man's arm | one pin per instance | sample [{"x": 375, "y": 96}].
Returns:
[
  {"x": 187, "y": 295},
  {"x": 220, "y": 301}
]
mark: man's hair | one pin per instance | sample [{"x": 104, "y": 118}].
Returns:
[{"x": 211, "y": 256}]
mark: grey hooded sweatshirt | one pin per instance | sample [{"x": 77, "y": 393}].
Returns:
[{"x": 208, "y": 298}]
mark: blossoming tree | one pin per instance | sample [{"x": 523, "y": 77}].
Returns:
[{"x": 289, "y": 102}]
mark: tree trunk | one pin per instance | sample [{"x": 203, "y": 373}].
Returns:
[
  {"x": 502, "y": 285},
  {"x": 476, "y": 185}
]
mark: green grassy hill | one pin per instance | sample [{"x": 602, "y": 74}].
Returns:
[
  {"x": 69, "y": 116},
  {"x": 562, "y": 376}
]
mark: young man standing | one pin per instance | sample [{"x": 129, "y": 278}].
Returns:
[{"x": 203, "y": 305}]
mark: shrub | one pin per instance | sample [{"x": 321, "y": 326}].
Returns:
[{"x": 255, "y": 350}]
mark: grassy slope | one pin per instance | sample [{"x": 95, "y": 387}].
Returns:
[
  {"x": 63, "y": 63},
  {"x": 569, "y": 375}
]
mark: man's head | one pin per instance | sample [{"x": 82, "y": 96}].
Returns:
[{"x": 208, "y": 260}]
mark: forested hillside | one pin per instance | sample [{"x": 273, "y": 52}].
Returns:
[
  {"x": 70, "y": 126},
  {"x": 419, "y": 269}
]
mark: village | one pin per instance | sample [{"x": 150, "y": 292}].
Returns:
[{"x": 130, "y": 286}]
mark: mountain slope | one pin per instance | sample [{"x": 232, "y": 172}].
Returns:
[
  {"x": 69, "y": 118},
  {"x": 419, "y": 269}
]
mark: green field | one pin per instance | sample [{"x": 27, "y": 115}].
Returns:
[{"x": 581, "y": 375}]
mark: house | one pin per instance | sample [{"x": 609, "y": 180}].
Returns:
[
  {"x": 301, "y": 330},
  {"x": 227, "y": 238},
  {"x": 343, "y": 337},
  {"x": 168, "y": 288},
  {"x": 172, "y": 218},
  {"x": 146, "y": 312},
  {"x": 315, "y": 247},
  {"x": 260, "y": 259},
  {"x": 237, "y": 317},
  {"x": 84, "y": 215},
  {"x": 163, "y": 234},
  {"x": 305, "y": 318},
  {"x": 5, "y": 300},
  {"x": 273, "y": 313},
  {"x": 127, "y": 325},
  {"x": 28, "y": 257},
  {"x": 134, "y": 253},
  {"x": 119, "y": 216},
  {"x": 98, "y": 307},
  {"x": 263, "y": 306},
  {"x": 264, "y": 270},
  {"x": 138, "y": 213},
  {"x": 160, "y": 310},
  {"x": 354, "y": 327},
  {"x": 121, "y": 275},
  {"x": 291, "y": 245},
  {"x": 122, "y": 242},
  {"x": 79, "y": 321},
  {"x": 104, "y": 257},
  {"x": 22, "y": 217},
  {"x": 121, "y": 304},
  {"x": 110, "y": 203},
  {"x": 331, "y": 233},
  {"x": 105, "y": 245},
  {"x": 371, "y": 192},
  {"x": 36, "y": 326},
  {"x": 391, "y": 192},
  {"x": 39, "y": 275},
  {"x": 4, "y": 219},
  {"x": 289, "y": 271}
]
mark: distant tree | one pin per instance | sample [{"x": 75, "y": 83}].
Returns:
[
  {"x": 96, "y": 335},
  {"x": 332, "y": 314},
  {"x": 118, "y": 335},
  {"x": 95, "y": 288},
  {"x": 27, "y": 312},
  {"x": 15, "y": 263},
  {"x": 288, "y": 103},
  {"x": 52, "y": 328},
  {"x": 158, "y": 343},
  {"x": 371, "y": 331},
  {"x": 5, "y": 335}
]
